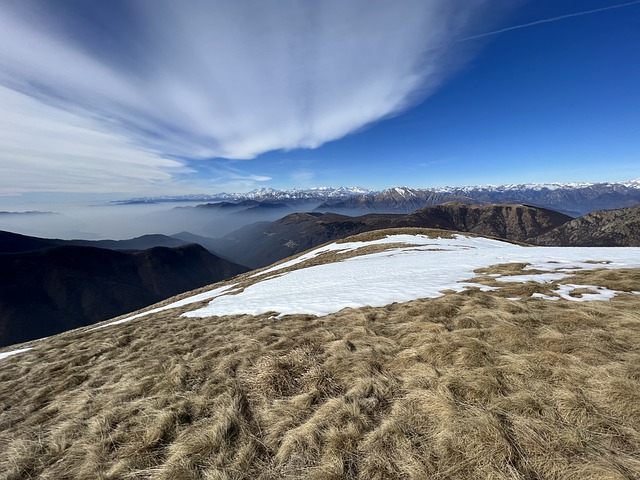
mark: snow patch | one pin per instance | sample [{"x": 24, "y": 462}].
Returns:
[
  {"x": 424, "y": 269},
  {"x": 600, "y": 293},
  {"x": 544, "y": 297},
  {"x": 537, "y": 278},
  {"x": 4, "y": 355},
  {"x": 180, "y": 303}
]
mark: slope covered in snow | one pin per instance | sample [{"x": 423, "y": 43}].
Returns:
[{"x": 403, "y": 268}]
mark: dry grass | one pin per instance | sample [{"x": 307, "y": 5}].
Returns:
[
  {"x": 466, "y": 386},
  {"x": 377, "y": 234},
  {"x": 429, "y": 232}
]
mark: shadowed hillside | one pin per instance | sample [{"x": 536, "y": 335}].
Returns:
[
  {"x": 53, "y": 290},
  {"x": 263, "y": 243},
  {"x": 470, "y": 385}
]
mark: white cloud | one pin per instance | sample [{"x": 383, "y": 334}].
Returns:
[
  {"x": 43, "y": 148},
  {"x": 202, "y": 79}
]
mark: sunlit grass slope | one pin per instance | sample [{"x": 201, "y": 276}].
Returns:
[{"x": 470, "y": 385}]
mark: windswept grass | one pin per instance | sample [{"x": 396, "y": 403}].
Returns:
[{"x": 466, "y": 386}]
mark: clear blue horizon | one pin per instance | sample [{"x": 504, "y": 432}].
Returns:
[{"x": 121, "y": 99}]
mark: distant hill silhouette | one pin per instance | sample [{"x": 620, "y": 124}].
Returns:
[{"x": 13, "y": 243}]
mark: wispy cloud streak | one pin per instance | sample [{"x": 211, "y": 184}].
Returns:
[
  {"x": 43, "y": 148},
  {"x": 204, "y": 79}
]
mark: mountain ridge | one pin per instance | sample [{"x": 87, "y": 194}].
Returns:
[
  {"x": 575, "y": 198},
  {"x": 614, "y": 228},
  {"x": 260, "y": 244}
]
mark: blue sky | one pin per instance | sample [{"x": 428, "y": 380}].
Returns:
[{"x": 128, "y": 98}]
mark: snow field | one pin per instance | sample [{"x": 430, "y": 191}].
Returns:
[{"x": 404, "y": 274}]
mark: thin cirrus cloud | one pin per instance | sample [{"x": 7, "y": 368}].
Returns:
[
  {"x": 115, "y": 95},
  {"x": 43, "y": 148}
]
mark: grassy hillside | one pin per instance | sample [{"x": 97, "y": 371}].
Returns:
[{"x": 470, "y": 385}]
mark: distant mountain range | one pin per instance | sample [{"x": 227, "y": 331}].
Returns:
[
  {"x": 4, "y": 213},
  {"x": 261, "y": 194},
  {"x": 574, "y": 199}
]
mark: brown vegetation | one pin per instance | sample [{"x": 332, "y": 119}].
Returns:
[
  {"x": 467, "y": 386},
  {"x": 603, "y": 228}
]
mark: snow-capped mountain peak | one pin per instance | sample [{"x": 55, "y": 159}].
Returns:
[{"x": 572, "y": 197}]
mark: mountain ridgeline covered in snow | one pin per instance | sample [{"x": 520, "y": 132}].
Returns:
[
  {"x": 263, "y": 194},
  {"x": 574, "y": 199}
]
